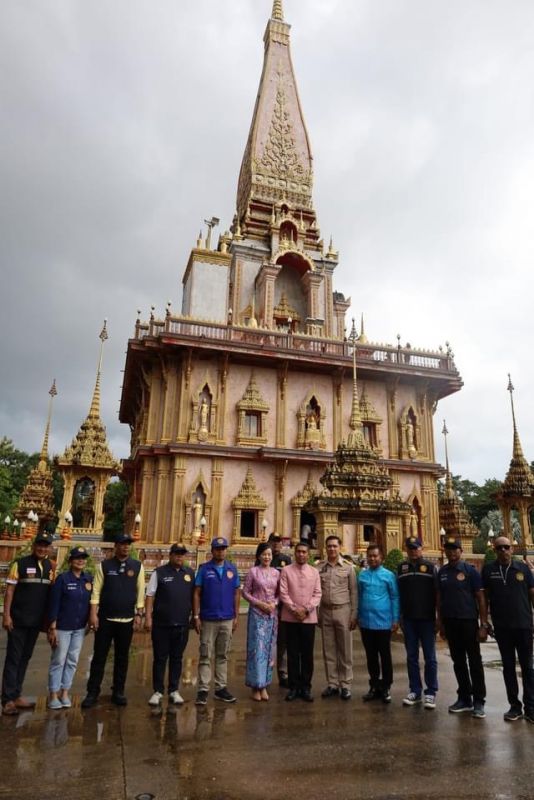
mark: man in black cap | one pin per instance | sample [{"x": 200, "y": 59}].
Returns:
[
  {"x": 417, "y": 590},
  {"x": 25, "y": 603},
  {"x": 169, "y": 598},
  {"x": 117, "y": 609},
  {"x": 280, "y": 560},
  {"x": 461, "y": 602},
  {"x": 509, "y": 586}
]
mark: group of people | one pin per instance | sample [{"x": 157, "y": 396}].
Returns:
[{"x": 287, "y": 601}]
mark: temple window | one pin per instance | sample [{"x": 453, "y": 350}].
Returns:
[
  {"x": 369, "y": 432},
  {"x": 252, "y": 413},
  {"x": 249, "y": 507}
]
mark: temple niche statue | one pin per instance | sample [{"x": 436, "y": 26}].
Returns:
[{"x": 203, "y": 427}]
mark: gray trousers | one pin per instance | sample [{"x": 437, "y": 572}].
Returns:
[
  {"x": 215, "y": 640},
  {"x": 337, "y": 646}
]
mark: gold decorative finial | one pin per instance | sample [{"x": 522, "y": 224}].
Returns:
[
  {"x": 355, "y": 438},
  {"x": 449, "y": 488},
  {"x": 363, "y": 338},
  {"x": 43, "y": 458},
  {"x": 518, "y": 450},
  {"x": 94, "y": 411},
  {"x": 278, "y": 10}
]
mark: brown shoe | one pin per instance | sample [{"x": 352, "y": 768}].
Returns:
[
  {"x": 10, "y": 709},
  {"x": 22, "y": 703}
]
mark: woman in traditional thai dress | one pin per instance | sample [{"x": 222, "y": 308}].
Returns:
[{"x": 261, "y": 592}]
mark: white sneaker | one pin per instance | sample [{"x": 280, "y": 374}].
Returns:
[
  {"x": 156, "y": 699},
  {"x": 412, "y": 699},
  {"x": 176, "y": 698}
]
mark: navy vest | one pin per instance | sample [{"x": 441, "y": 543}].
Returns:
[
  {"x": 118, "y": 597},
  {"x": 30, "y": 599},
  {"x": 174, "y": 595}
]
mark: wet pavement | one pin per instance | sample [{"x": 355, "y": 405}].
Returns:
[{"x": 253, "y": 751}]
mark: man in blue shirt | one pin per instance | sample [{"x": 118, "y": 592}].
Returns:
[
  {"x": 378, "y": 616},
  {"x": 215, "y": 615}
]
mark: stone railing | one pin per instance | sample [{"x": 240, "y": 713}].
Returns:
[{"x": 183, "y": 328}]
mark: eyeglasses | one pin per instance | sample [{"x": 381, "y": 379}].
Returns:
[{"x": 503, "y": 547}]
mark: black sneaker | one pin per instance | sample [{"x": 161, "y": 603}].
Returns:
[
  {"x": 330, "y": 691},
  {"x": 202, "y": 698},
  {"x": 529, "y": 716},
  {"x": 386, "y": 696},
  {"x": 345, "y": 694},
  {"x": 513, "y": 714},
  {"x": 461, "y": 707},
  {"x": 478, "y": 711},
  {"x": 225, "y": 696},
  {"x": 119, "y": 699},
  {"x": 89, "y": 701},
  {"x": 372, "y": 694}
]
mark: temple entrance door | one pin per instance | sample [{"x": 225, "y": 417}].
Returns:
[{"x": 308, "y": 527}]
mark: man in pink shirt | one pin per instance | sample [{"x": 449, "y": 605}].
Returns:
[{"x": 300, "y": 593}]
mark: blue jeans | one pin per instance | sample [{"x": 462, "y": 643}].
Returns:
[
  {"x": 421, "y": 632},
  {"x": 65, "y": 659}
]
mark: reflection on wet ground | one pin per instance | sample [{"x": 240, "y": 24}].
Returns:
[{"x": 253, "y": 751}]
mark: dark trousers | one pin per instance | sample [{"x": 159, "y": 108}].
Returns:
[
  {"x": 168, "y": 644},
  {"x": 120, "y": 633},
  {"x": 421, "y": 633},
  {"x": 512, "y": 641},
  {"x": 462, "y": 636},
  {"x": 20, "y": 644},
  {"x": 300, "y": 637},
  {"x": 281, "y": 651},
  {"x": 377, "y": 646}
]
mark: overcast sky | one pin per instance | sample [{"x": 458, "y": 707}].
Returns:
[{"x": 122, "y": 126}]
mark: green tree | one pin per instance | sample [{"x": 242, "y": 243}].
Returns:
[
  {"x": 114, "y": 503},
  {"x": 15, "y": 466},
  {"x": 393, "y": 559}
]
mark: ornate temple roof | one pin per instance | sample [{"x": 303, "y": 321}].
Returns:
[
  {"x": 355, "y": 480},
  {"x": 38, "y": 494},
  {"x": 277, "y": 163},
  {"x": 90, "y": 448},
  {"x": 454, "y": 517}
]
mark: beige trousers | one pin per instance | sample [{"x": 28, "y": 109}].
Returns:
[
  {"x": 337, "y": 646},
  {"x": 215, "y": 640}
]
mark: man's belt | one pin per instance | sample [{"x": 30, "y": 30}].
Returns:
[{"x": 331, "y": 606}]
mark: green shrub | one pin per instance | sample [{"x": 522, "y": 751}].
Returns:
[{"x": 393, "y": 559}]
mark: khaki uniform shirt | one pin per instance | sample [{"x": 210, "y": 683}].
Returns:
[{"x": 338, "y": 585}]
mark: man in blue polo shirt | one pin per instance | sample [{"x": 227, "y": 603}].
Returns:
[{"x": 215, "y": 616}]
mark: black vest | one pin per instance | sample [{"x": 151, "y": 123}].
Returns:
[
  {"x": 118, "y": 597},
  {"x": 174, "y": 595},
  {"x": 30, "y": 599},
  {"x": 457, "y": 596}
]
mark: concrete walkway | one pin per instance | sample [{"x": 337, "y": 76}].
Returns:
[{"x": 250, "y": 751}]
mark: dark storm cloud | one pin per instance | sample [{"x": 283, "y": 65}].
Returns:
[{"x": 122, "y": 126}]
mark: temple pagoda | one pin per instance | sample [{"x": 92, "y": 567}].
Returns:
[{"x": 240, "y": 404}]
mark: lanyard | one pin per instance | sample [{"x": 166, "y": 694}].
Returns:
[{"x": 504, "y": 576}]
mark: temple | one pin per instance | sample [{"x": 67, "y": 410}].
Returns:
[{"x": 252, "y": 410}]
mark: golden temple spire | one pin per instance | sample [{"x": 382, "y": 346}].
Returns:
[
  {"x": 277, "y": 161},
  {"x": 94, "y": 411},
  {"x": 519, "y": 481},
  {"x": 517, "y": 451},
  {"x": 90, "y": 447},
  {"x": 278, "y": 10},
  {"x": 449, "y": 488},
  {"x": 44, "y": 449},
  {"x": 356, "y": 438},
  {"x": 363, "y": 338}
]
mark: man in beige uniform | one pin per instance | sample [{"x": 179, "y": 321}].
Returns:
[{"x": 337, "y": 619}]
